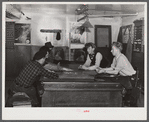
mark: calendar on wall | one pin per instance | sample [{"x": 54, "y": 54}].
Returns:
[
  {"x": 77, "y": 33},
  {"x": 138, "y": 35}
]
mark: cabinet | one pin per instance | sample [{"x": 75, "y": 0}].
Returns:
[{"x": 138, "y": 36}]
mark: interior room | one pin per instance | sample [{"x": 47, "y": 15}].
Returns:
[{"x": 68, "y": 27}]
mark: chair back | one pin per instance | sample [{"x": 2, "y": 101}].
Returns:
[{"x": 136, "y": 76}]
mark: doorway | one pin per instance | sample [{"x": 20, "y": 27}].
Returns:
[
  {"x": 103, "y": 36},
  {"x": 103, "y": 41}
]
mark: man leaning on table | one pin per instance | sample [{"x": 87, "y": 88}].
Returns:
[
  {"x": 120, "y": 63},
  {"x": 120, "y": 66},
  {"x": 93, "y": 58},
  {"x": 28, "y": 76}
]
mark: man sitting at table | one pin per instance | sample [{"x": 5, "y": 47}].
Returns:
[
  {"x": 120, "y": 64},
  {"x": 28, "y": 76},
  {"x": 93, "y": 58}
]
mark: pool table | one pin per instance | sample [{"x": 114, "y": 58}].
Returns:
[{"x": 79, "y": 88}]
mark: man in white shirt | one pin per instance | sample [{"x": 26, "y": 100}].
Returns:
[{"x": 120, "y": 63}]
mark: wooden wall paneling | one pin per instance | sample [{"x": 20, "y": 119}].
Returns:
[
  {"x": 22, "y": 56},
  {"x": 10, "y": 35},
  {"x": 9, "y": 65}
]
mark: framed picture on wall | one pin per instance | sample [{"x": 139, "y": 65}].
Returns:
[
  {"x": 22, "y": 33},
  {"x": 77, "y": 33}
]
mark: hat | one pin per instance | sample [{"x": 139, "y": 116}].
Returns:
[
  {"x": 39, "y": 55},
  {"x": 44, "y": 48},
  {"x": 49, "y": 45}
]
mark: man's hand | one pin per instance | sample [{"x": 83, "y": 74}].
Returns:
[
  {"x": 41, "y": 91},
  {"x": 40, "y": 88},
  {"x": 50, "y": 70},
  {"x": 66, "y": 69},
  {"x": 80, "y": 67},
  {"x": 83, "y": 67},
  {"x": 99, "y": 70}
]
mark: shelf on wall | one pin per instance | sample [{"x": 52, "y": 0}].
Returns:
[{"x": 76, "y": 46}]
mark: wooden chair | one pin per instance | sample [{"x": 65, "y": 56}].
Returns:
[
  {"x": 131, "y": 96},
  {"x": 19, "y": 99}
]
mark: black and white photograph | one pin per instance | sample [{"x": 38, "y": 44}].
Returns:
[{"x": 74, "y": 61}]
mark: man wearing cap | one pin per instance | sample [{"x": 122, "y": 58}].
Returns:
[
  {"x": 51, "y": 53},
  {"x": 28, "y": 76},
  {"x": 49, "y": 61}
]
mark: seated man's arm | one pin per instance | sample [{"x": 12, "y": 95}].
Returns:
[
  {"x": 51, "y": 66},
  {"x": 110, "y": 70},
  {"x": 40, "y": 88},
  {"x": 97, "y": 62},
  {"x": 49, "y": 74},
  {"x": 116, "y": 67},
  {"x": 86, "y": 64},
  {"x": 56, "y": 67}
]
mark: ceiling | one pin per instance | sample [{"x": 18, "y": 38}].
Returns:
[{"x": 93, "y": 9}]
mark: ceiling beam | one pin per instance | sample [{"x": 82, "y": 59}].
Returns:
[
  {"x": 111, "y": 15},
  {"x": 11, "y": 16}
]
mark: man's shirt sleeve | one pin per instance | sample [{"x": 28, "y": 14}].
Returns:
[
  {"x": 113, "y": 65},
  {"x": 49, "y": 74},
  {"x": 88, "y": 61},
  {"x": 120, "y": 64},
  {"x": 98, "y": 59}
]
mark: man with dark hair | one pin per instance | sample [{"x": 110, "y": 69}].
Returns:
[
  {"x": 51, "y": 51},
  {"x": 28, "y": 76},
  {"x": 46, "y": 50},
  {"x": 93, "y": 58}
]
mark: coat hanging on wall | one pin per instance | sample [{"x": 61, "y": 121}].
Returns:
[
  {"x": 119, "y": 39},
  {"x": 58, "y": 36}
]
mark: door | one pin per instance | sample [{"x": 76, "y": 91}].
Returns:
[{"x": 103, "y": 35}]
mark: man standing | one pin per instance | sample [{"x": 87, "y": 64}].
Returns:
[
  {"x": 28, "y": 76},
  {"x": 51, "y": 51}
]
